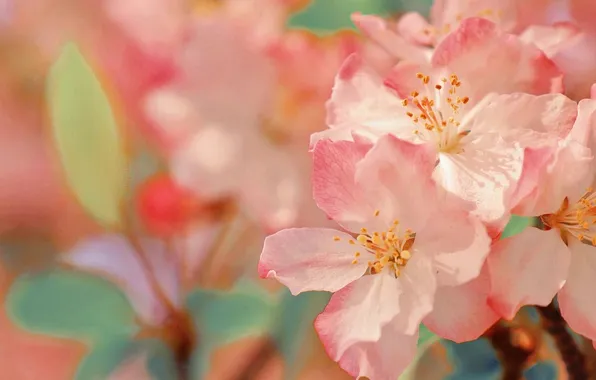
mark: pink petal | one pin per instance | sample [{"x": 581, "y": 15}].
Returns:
[
  {"x": 584, "y": 129},
  {"x": 274, "y": 185},
  {"x": 458, "y": 244},
  {"x": 485, "y": 173},
  {"x": 556, "y": 182},
  {"x": 113, "y": 257},
  {"x": 385, "y": 359},
  {"x": 306, "y": 259},
  {"x": 379, "y": 32},
  {"x": 414, "y": 28},
  {"x": 523, "y": 199},
  {"x": 359, "y": 98},
  {"x": 334, "y": 188},
  {"x": 552, "y": 38},
  {"x": 576, "y": 299},
  {"x": 215, "y": 47},
  {"x": 477, "y": 47},
  {"x": 397, "y": 176},
  {"x": 527, "y": 269},
  {"x": 461, "y": 313},
  {"x": 514, "y": 115},
  {"x": 213, "y": 150},
  {"x": 357, "y": 314}
]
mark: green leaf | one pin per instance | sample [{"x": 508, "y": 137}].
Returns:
[
  {"x": 293, "y": 325},
  {"x": 104, "y": 359},
  {"x": 516, "y": 225},
  {"x": 108, "y": 356},
  {"x": 70, "y": 304},
  {"x": 328, "y": 16},
  {"x": 222, "y": 317},
  {"x": 87, "y": 137},
  {"x": 225, "y": 316}
]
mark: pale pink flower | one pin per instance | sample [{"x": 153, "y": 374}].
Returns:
[
  {"x": 530, "y": 268},
  {"x": 239, "y": 128},
  {"x": 480, "y": 150},
  {"x": 406, "y": 248}
]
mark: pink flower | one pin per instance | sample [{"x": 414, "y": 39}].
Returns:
[
  {"x": 479, "y": 144},
  {"x": 239, "y": 119},
  {"x": 406, "y": 247},
  {"x": 530, "y": 268}
]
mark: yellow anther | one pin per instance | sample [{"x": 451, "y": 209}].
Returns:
[
  {"x": 336, "y": 238},
  {"x": 357, "y": 254},
  {"x": 362, "y": 239},
  {"x": 405, "y": 255},
  {"x": 377, "y": 212},
  {"x": 351, "y": 242},
  {"x": 355, "y": 261}
]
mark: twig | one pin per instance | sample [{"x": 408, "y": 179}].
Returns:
[
  {"x": 574, "y": 359},
  {"x": 513, "y": 356}
]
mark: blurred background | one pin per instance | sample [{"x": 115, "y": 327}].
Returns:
[{"x": 148, "y": 147}]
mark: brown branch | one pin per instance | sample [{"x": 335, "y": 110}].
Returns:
[
  {"x": 513, "y": 355},
  {"x": 574, "y": 359}
]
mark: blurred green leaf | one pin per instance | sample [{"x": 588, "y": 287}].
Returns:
[
  {"x": 293, "y": 325},
  {"x": 222, "y": 317},
  {"x": 328, "y": 16},
  {"x": 70, "y": 304},
  {"x": 87, "y": 137},
  {"x": 107, "y": 357},
  {"x": 104, "y": 359},
  {"x": 516, "y": 225}
]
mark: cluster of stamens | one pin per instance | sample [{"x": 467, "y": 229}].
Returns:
[
  {"x": 489, "y": 14},
  {"x": 429, "y": 117},
  {"x": 388, "y": 249},
  {"x": 577, "y": 220}
]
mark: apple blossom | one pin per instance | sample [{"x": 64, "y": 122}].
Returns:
[
  {"x": 479, "y": 152},
  {"x": 530, "y": 268},
  {"x": 405, "y": 246}
]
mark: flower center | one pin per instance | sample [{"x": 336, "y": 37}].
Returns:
[
  {"x": 436, "y": 113},
  {"x": 389, "y": 249},
  {"x": 577, "y": 220}
]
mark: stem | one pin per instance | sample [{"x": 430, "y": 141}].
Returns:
[
  {"x": 555, "y": 325},
  {"x": 512, "y": 356},
  {"x": 143, "y": 258}
]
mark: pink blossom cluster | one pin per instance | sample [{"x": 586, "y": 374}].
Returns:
[{"x": 486, "y": 114}]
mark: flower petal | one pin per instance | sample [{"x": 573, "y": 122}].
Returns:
[
  {"x": 527, "y": 269},
  {"x": 334, "y": 188},
  {"x": 478, "y": 47},
  {"x": 385, "y": 359},
  {"x": 485, "y": 173},
  {"x": 359, "y": 98},
  {"x": 458, "y": 243},
  {"x": 513, "y": 114},
  {"x": 377, "y": 29},
  {"x": 576, "y": 299},
  {"x": 113, "y": 257},
  {"x": 306, "y": 259},
  {"x": 358, "y": 312},
  {"x": 397, "y": 177},
  {"x": 461, "y": 313}
]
